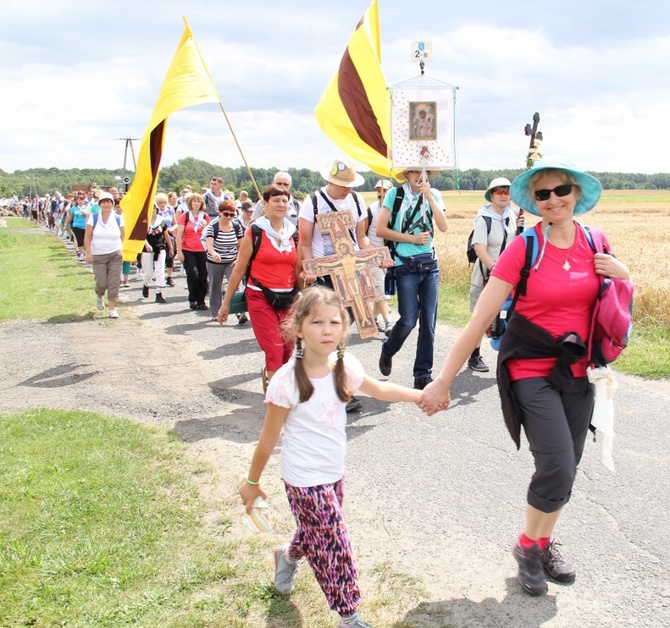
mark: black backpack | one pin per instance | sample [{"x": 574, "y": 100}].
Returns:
[{"x": 399, "y": 196}]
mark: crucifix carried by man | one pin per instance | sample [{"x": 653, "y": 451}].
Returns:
[{"x": 349, "y": 269}]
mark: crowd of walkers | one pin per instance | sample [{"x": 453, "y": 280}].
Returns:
[{"x": 224, "y": 247}]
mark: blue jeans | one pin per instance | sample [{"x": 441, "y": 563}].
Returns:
[{"x": 417, "y": 301}]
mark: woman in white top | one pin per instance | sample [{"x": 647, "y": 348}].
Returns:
[{"x": 103, "y": 242}]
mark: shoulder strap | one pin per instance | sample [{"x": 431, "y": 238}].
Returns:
[
  {"x": 95, "y": 220},
  {"x": 530, "y": 240},
  {"x": 397, "y": 203}
]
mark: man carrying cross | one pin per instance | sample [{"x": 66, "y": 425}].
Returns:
[{"x": 337, "y": 195}]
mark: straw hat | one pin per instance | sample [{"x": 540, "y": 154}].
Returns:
[{"x": 342, "y": 173}]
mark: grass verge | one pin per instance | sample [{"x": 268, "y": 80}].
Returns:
[
  {"x": 101, "y": 524},
  {"x": 40, "y": 279}
]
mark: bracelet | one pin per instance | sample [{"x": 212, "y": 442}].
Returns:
[{"x": 248, "y": 481}]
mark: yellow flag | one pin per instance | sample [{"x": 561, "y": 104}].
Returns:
[
  {"x": 186, "y": 83},
  {"x": 354, "y": 111}
]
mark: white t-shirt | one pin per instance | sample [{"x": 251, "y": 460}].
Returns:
[
  {"x": 375, "y": 240},
  {"x": 106, "y": 236},
  {"x": 322, "y": 244},
  {"x": 315, "y": 441}
]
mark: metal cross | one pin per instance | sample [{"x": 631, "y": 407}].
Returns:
[{"x": 533, "y": 132}]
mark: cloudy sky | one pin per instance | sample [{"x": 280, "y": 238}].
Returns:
[{"x": 75, "y": 76}]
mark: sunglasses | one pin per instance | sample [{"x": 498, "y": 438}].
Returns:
[
  {"x": 504, "y": 190},
  {"x": 559, "y": 190},
  {"x": 227, "y": 214}
]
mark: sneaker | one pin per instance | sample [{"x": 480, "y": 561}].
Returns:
[
  {"x": 202, "y": 306},
  {"x": 421, "y": 382},
  {"x": 100, "y": 303},
  {"x": 477, "y": 364},
  {"x": 354, "y": 405},
  {"x": 126, "y": 284},
  {"x": 242, "y": 318},
  {"x": 388, "y": 326},
  {"x": 555, "y": 565},
  {"x": 380, "y": 326},
  {"x": 531, "y": 570},
  {"x": 193, "y": 305},
  {"x": 145, "y": 291},
  {"x": 170, "y": 282},
  {"x": 113, "y": 314},
  {"x": 160, "y": 298},
  {"x": 356, "y": 623},
  {"x": 285, "y": 571},
  {"x": 385, "y": 364}
]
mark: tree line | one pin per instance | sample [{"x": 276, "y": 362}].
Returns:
[{"x": 197, "y": 173}]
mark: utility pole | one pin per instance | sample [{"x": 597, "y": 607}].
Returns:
[{"x": 128, "y": 146}]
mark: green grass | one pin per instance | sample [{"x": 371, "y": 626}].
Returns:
[
  {"x": 98, "y": 523},
  {"x": 101, "y": 524},
  {"x": 40, "y": 278}
]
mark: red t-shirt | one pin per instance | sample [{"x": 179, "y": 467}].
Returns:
[
  {"x": 557, "y": 300},
  {"x": 274, "y": 269},
  {"x": 190, "y": 240}
]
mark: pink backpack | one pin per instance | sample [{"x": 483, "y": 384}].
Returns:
[{"x": 613, "y": 314}]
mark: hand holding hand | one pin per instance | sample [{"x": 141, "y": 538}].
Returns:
[{"x": 435, "y": 397}]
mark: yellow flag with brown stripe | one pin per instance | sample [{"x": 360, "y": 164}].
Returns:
[
  {"x": 354, "y": 111},
  {"x": 186, "y": 83}
]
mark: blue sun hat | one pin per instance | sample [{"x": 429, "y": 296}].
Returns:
[{"x": 590, "y": 188}]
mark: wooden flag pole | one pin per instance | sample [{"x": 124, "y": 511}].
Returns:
[{"x": 230, "y": 126}]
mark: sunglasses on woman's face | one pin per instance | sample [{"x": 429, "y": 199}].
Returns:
[
  {"x": 227, "y": 214},
  {"x": 559, "y": 190}
]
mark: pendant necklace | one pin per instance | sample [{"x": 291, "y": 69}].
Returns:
[{"x": 566, "y": 264}]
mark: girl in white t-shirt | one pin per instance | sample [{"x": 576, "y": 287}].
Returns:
[{"x": 307, "y": 397}]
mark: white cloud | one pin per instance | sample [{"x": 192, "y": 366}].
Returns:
[{"x": 75, "y": 76}]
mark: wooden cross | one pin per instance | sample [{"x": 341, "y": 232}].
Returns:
[
  {"x": 533, "y": 132},
  {"x": 349, "y": 269}
]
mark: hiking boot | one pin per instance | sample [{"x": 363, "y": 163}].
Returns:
[
  {"x": 145, "y": 291},
  {"x": 388, "y": 326},
  {"x": 201, "y": 306},
  {"x": 477, "y": 364},
  {"x": 100, "y": 303},
  {"x": 555, "y": 565},
  {"x": 531, "y": 570},
  {"x": 385, "y": 364},
  {"x": 193, "y": 305},
  {"x": 170, "y": 282},
  {"x": 285, "y": 571},
  {"x": 354, "y": 405},
  {"x": 160, "y": 298},
  {"x": 421, "y": 382}
]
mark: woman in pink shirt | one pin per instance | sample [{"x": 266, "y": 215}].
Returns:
[{"x": 543, "y": 355}]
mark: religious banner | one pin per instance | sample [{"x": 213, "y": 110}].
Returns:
[
  {"x": 349, "y": 269},
  {"x": 423, "y": 124}
]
